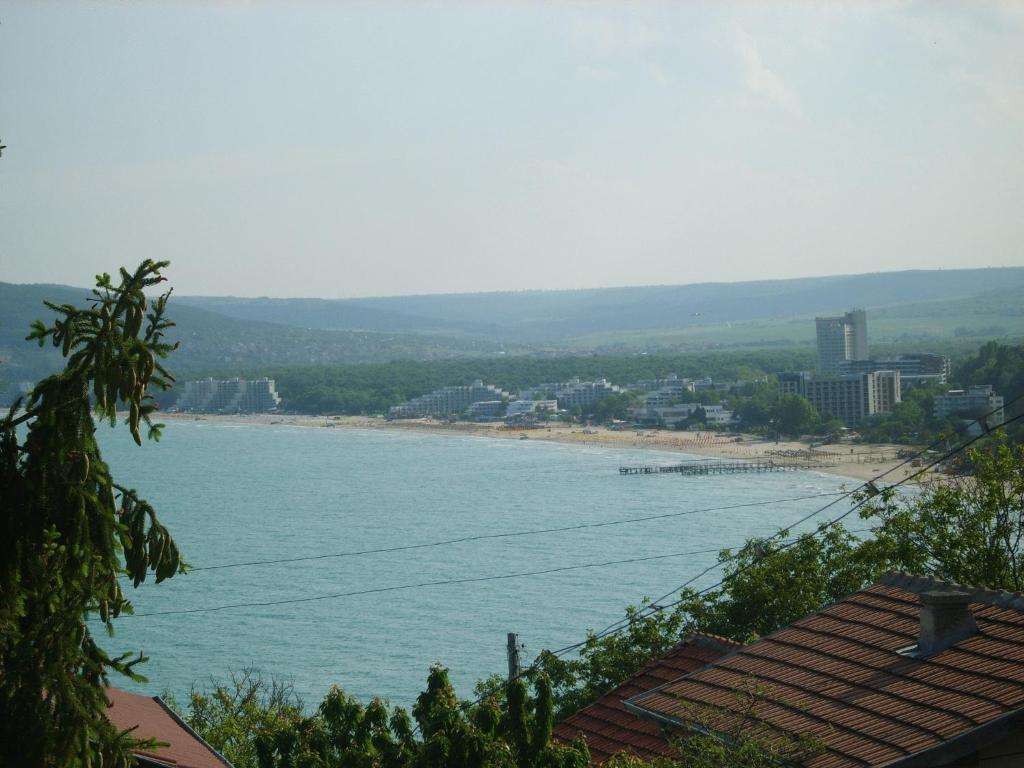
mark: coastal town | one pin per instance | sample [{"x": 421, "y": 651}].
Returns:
[
  {"x": 512, "y": 385},
  {"x": 848, "y": 390}
]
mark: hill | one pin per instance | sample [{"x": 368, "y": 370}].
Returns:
[
  {"x": 546, "y": 317},
  {"x": 214, "y": 342}
]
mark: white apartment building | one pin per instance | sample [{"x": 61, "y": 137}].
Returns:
[
  {"x": 447, "y": 401},
  {"x": 973, "y": 403},
  {"x": 229, "y": 396}
]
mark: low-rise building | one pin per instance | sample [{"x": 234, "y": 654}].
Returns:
[
  {"x": 975, "y": 402},
  {"x": 650, "y": 385},
  {"x": 522, "y": 408},
  {"x": 673, "y": 416},
  {"x": 211, "y": 395},
  {"x": 668, "y": 394},
  {"x": 486, "y": 410}
]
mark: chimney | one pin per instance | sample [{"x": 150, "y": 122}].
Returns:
[{"x": 946, "y": 619}]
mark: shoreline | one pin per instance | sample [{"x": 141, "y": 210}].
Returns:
[{"x": 860, "y": 462}]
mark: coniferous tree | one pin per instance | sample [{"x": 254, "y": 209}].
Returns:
[{"x": 70, "y": 531}]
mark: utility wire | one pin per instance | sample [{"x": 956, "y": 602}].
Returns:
[
  {"x": 443, "y": 582},
  {"x": 512, "y": 534},
  {"x": 611, "y": 629},
  {"x": 868, "y": 488}
]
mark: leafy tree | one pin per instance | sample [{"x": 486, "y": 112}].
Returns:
[
  {"x": 772, "y": 582},
  {"x": 794, "y": 415},
  {"x": 615, "y": 406},
  {"x": 262, "y": 728},
  {"x": 604, "y": 663},
  {"x": 237, "y": 709},
  {"x": 756, "y": 406},
  {"x": 966, "y": 529},
  {"x": 70, "y": 531}
]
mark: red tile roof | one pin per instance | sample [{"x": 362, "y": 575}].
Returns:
[
  {"x": 838, "y": 675},
  {"x": 609, "y": 728},
  {"x": 156, "y": 720}
]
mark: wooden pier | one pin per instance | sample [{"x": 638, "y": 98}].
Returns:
[{"x": 712, "y": 467}]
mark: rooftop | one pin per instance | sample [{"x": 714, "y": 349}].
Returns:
[
  {"x": 152, "y": 718},
  {"x": 606, "y": 725},
  {"x": 839, "y": 676}
]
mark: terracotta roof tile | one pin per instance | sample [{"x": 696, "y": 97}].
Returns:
[
  {"x": 153, "y": 719},
  {"x": 608, "y": 728},
  {"x": 839, "y": 675}
]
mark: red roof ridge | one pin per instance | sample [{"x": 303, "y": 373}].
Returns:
[
  {"x": 608, "y": 728},
  {"x": 152, "y": 717},
  {"x": 918, "y": 584},
  {"x": 711, "y": 641},
  {"x": 846, "y": 666}
]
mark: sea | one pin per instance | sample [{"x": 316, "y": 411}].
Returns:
[{"x": 386, "y": 597}]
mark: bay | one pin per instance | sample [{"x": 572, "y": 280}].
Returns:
[{"x": 233, "y": 493}]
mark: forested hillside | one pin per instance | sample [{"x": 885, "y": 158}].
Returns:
[
  {"x": 547, "y": 316},
  {"x": 210, "y": 341}
]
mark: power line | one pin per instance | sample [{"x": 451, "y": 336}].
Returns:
[
  {"x": 868, "y": 487},
  {"x": 512, "y": 534},
  {"x": 609, "y": 630},
  {"x": 439, "y": 583}
]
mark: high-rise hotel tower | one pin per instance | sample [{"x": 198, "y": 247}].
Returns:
[{"x": 841, "y": 338}]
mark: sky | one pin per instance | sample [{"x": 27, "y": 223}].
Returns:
[{"x": 386, "y": 148}]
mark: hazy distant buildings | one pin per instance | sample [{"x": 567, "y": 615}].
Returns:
[
  {"x": 521, "y": 409},
  {"x": 841, "y": 338},
  {"x": 794, "y": 382},
  {"x": 448, "y": 401},
  {"x": 572, "y": 393},
  {"x": 486, "y": 410},
  {"x": 851, "y": 398},
  {"x": 674, "y": 416},
  {"x": 229, "y": 396},
  {"x": 915, "y": 368},
  {"x": 972, "y": 403}
]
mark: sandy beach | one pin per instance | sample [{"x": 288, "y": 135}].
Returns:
[{"x": 860, "y": 462}]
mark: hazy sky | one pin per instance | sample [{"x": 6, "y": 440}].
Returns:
[{"x": 315, "y": 149}]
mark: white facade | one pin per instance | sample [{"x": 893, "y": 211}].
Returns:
[
  {"x": 520, "y": 408},
  {"x": 973, "y": 402},
  {"x": 229, "y": 396},
  {"x": 572, "y": 393},
  {"x": 447, "y": 401},
  {"x": 673, "y": 415}
]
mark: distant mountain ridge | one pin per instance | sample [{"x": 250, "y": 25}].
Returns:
[
  {"x": 230, "y": 335},
  {"x": 549, "y": 316},
  {"x": 212, "y": 341}
]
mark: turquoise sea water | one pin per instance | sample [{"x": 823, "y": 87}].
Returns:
[{"x": 232, "y": 493}]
